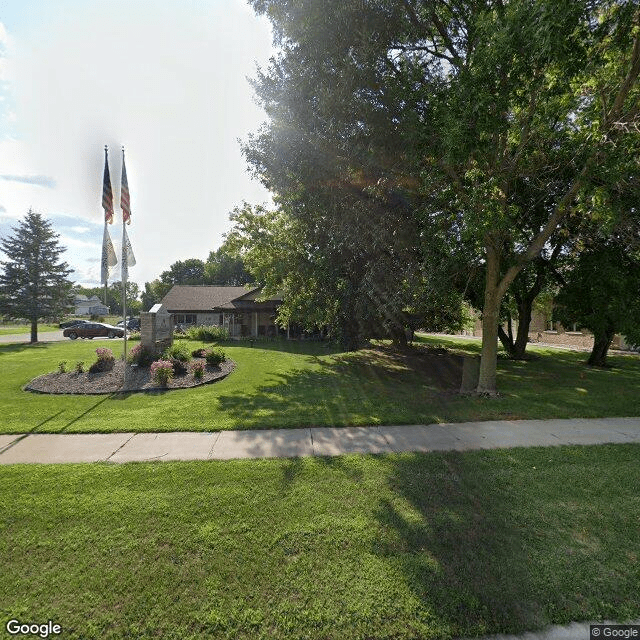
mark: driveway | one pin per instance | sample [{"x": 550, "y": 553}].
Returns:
[{"x": 43, "y": 336}]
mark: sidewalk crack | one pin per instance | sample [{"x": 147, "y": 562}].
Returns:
[
  {"x": 215, "y": 442},
  {"x": 387, "y": 440},
  {"x": 120, "y": 447}
]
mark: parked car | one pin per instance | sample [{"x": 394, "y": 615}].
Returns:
[
  {"x": 133, "y": 324},
  {"x": 72, "y": 323},
  {"x": 93, "y": 330}
]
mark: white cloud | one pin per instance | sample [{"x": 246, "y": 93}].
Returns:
[
  {"x": 169, "y": 82},
  {"x": 79, "y": 229},
  {"x": 68, "y": 241}
]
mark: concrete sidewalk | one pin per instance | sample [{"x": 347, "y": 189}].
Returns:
[{"x": 315, "y": 441}]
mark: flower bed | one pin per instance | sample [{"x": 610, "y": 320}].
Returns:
[{"x": 137, "y": 379}]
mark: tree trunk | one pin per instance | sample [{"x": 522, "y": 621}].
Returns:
[
  {"x": 34, "y": 329},
  {"x": 398, "y": 336},
  {"x": 601, "y": 344},
  {"x": 350, "y": 338},
  {"x": 507, "y": 341},
  {"x": 490, "y": 316},
  {"x": 525, "y": 305}
]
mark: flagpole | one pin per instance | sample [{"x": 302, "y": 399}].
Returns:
[
  {"x": 126, "y": 219},
  {"x": 105, "y": 282},
  {"x": 108, "y": 255},
  {"x": 124, "y": 308}
]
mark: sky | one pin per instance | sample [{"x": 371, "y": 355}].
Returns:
[{"x": 166, "y": 80}]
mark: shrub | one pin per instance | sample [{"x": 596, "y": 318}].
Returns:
[
  {"x": 80, "y": 366},
  {"x": 62, "y": 366},
  {"x": 104, "y": 354},
  {"x": 134, "y": 335},
  {"x": 178, "y": 351},
  {"x": 162, "y": 371},
  {"x": 179, "y": 366},
  {"x": 215, "y": 357},
  {"x": 140, "y": 356},
  {"x": 197, "y": 369},
  {"x": 199, "y": 353},
  {"x": 104, "y": 362},
  {"x": 207, "y": 333}
]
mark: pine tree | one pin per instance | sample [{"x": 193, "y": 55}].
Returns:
[{"x": 33, "y": 281}]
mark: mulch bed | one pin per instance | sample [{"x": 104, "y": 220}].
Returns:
[{"x": 138, "y": 379}]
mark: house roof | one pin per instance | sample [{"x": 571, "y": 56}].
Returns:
[{"x": 203, "y": 298}]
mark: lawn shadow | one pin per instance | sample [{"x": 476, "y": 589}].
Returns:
[
  {"x": 372, "y": 386},
  {"x": 458, "y": 546},
  {"x": 84, "y": 413},
  {"x": 302, "y": 347},
  {"x": 17, "y": 347},
  {"x": 21, "y": 437}
]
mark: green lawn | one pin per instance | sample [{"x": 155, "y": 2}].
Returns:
[
  {"x": 398, "y": 546},
  {"x": 12, "y": 329},
  {"x": 282, "y": 384}
]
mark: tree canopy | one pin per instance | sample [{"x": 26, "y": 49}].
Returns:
[
  {"x": 223, "y": 267},
  {"x": 602, "y": 294},
  {"x": 33, "y": 279},
  {"x": 457, "y": 109}
]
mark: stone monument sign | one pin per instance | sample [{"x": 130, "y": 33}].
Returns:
[{"x": 156, "y": 329}]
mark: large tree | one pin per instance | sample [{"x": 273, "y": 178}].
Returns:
[
  {"x": 602, "y": 294},
  {"x": 153, "y": 292},
  {"x": 33, "y": 280},
  {"x": 460, "y": 103},
  {"x": 189, "y": 271},
  {"x": 225, "y": 268}
]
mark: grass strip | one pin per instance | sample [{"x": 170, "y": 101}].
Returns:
[
  {"x": 289, "y": 384},
  {"x": 397, "y": 546}
]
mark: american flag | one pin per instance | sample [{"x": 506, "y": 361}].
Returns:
[
  {"x": 107, "y": 195},
  {"x": 125, "y": 205}
]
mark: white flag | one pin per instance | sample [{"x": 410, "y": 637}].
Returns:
[
  {"x": 128, "y": 259},
  {"x": 108, "y": 255}
]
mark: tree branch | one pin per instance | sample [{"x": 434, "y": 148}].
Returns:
[{"x": 630, "y": 79}]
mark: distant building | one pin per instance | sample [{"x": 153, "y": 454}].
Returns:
[{"x": 89, "y": 306}]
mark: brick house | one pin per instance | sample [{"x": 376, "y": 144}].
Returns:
[
  {"x": 234, "y": 308},
  {"x": 542, "y": 329}
]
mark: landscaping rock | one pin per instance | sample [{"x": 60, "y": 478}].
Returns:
[{"x": 138, "y": 379}]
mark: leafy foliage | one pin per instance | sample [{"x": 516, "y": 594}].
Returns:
[
  {"x": 197, "y": 369},
  {"x": 443, "y": 122},
  {"x": 105, "y": 361},
  {"x": 141, "y": 356},
  {"x": 225, "y": 268},
  {"x": 601, "y": 294},
  {"x": 215, "y": 357},
  {"x": 179, "y": 351},
  {"x": 207, "y": 333},
  {"x": 162, "y": 371}
]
